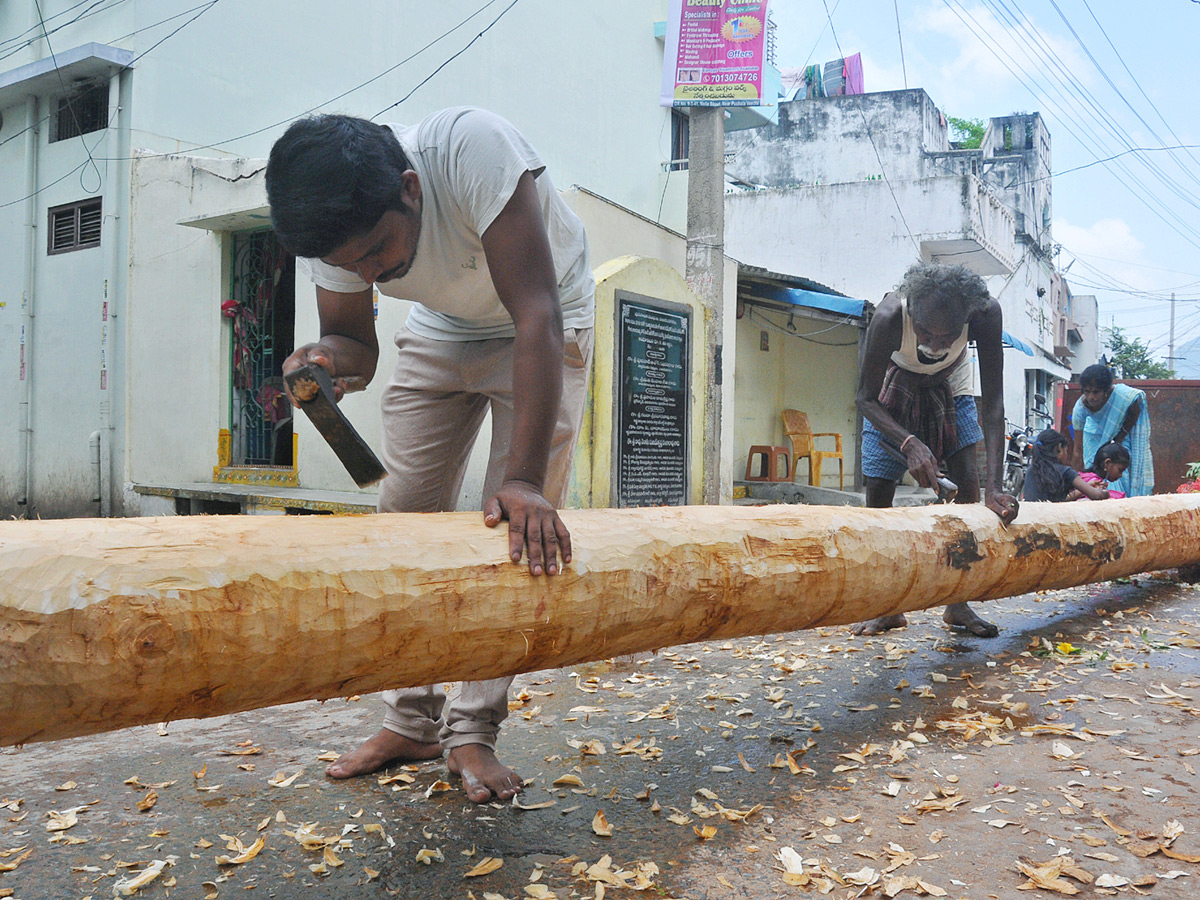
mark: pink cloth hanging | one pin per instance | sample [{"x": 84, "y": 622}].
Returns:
[{"x": 853, "y": 73}]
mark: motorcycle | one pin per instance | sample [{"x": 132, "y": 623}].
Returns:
[
  {"x": 1019, "y": 452},
  {"x": 1017, "y": 457}
]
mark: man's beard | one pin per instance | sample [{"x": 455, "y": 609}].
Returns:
[
  {"x": 404, "y": 268},
  {"x": 930, "y": 354}
]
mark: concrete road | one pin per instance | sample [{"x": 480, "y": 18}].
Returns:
[{"x": 918, "y": 763}]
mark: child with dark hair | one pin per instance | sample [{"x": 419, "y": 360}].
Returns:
[
  {"x": 1050, "y": 478},
  {"x": 1109, "y": 465}
]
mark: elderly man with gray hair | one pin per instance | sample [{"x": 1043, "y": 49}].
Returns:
[{"x": 915, "y": 392}]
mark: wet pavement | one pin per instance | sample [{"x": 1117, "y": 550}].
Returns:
[{"x": 908, "y": 764}]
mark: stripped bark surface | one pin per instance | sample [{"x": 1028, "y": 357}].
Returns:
[{"x": 110, "y": 623}]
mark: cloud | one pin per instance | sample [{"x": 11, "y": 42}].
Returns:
[
  {"x": 975, "y": 55},
  {"x": 1107, "y": 253},
  {"x": 1110, "y": 238}
]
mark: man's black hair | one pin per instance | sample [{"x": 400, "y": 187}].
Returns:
[
  {"x": 1096, "y": 376},
  {"x": 955, "y": 290},
  {"x": 331, "y": 178}
]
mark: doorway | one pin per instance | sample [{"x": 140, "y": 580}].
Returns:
[{"x": 262, "y": 307}]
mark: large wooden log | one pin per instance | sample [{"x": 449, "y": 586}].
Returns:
[{"x": 118, "y": 622}]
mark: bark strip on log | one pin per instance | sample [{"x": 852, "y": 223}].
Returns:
[{"x": 107, "y": 623}]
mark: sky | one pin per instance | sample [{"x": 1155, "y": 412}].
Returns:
[{"x": 1107, "y": 77}]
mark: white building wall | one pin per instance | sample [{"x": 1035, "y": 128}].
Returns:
[
  {"x": 816, "y": 375},
  {"x": 177, "y": 360},
  {"x": 580, "y": 81},
  {"x": 14, "y": 232},
  {"x": 1028, "y": 320},
  {"x": 176, "y": 326},
  {"x": 612, "y": 233},
  {"x": 850, "y": 236},
  {"x": 54, "y": 334},
  {"x": 859, "y": 188},
  {"x": 838, "y": 140},
  {"x": 1086, "y": 314}
]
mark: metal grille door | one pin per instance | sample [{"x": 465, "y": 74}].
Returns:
[{"x": 262, "y": 308}]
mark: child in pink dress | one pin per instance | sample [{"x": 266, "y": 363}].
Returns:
[{"x": 1110, "y": 464}]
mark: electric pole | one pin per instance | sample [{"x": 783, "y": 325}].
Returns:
[
  {"x": 705, "y": 268},
  {"x": 1171, "y": 351}
]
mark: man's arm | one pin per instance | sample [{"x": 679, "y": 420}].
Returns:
[
  {"x": 349, "y": 348},
  {"x": 986, "y": 330},
  {"x": 883, "y": 337},
  {"x": 522, "y": 268}
]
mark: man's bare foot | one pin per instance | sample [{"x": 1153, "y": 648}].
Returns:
[
  {"x": 483, "y": 775},
  {"x": 961, "y": 616},
  {"x": 880, "y": 625},
  {"x": 377, "y": 751}
]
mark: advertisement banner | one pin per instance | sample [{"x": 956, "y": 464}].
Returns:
[{"x": 714, "y": 53}]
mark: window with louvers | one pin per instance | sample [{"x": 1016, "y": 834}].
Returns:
[{"x": 75, "y": 226}]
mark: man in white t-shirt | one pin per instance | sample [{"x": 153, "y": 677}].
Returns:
[{"x": 458, "y": 215}]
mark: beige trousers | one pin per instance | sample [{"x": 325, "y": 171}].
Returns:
[{"x": 433, "y": 407}]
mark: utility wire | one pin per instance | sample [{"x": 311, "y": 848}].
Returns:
[
  {"x": 211, "y": 4},
  {"x": 114, "y": 41},
  {"x": 1111, "y": 84},
  {"x": 817, "y": 43},
  {"x": 103, "y": 132},
  {"x": 450, "y": 60},
  {"x": 357, "y": 87},
  {"x": 1106, "y": 159},
  {"x": 17, "y": 44},
  {"x": 1134, "y": 77},
  {"x": 1086, "y": 103},
  {"x": 1073, "y": 95},
  {"x": 804, "y": 336},
  {"x": 313, "y": 109},
  {"x": 1104, "y": 119},
  {"x": 70, "y": 106},
  {"x": 969, "y": 21},
  {"x": 871, "y": 138}
]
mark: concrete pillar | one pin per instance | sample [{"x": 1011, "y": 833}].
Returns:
[{"x": 705, "y": 268}]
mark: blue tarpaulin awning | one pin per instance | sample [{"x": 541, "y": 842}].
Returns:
[
  {"x": 846, "y": 306},
  {"x": 1010, "y": 341}
]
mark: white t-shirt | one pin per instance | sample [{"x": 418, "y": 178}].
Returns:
[{"x": 468, "y": 162}]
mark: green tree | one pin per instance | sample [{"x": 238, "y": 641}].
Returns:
[
  {"x": 970, "y": 132},
  {"x": 1130, "y": 358}
]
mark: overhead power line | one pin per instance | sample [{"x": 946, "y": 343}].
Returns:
[
  {"x": 426, "y": 79},
  {"x": 1083, "y": 111},
  {"x": 204, "y": 7},
  {"x": 871, "y": 138},
  {"x": 1112, "y": 84},
  {"x": 114, "y": 42},
  {"x": 70, "y": 105},
  {"x": 1106, "y": 159},
  {"x": 1082, "y": 131},
  {"x": 1076, "y": 95},
  {"x": 14, "y": 45}
]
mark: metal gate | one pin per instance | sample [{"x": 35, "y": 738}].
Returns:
[{"x": 262, "y": 306}]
